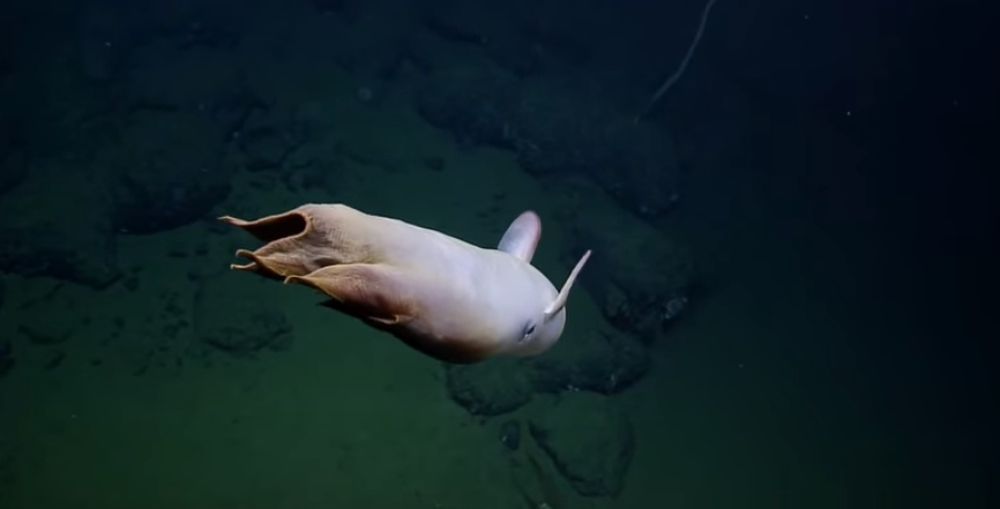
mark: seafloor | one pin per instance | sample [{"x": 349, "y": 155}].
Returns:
[{"x": 756, "y": 395}]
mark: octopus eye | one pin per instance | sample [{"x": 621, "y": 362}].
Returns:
[{"x": 528, "y": 330}]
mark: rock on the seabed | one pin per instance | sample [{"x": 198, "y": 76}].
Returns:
[
  {"x": 589, "y": 440},
  {"x": 555, "y": 129},
  {"x": 641, "y": 284},
  {"x": 168, "y": 171},
  {"x": 489, "y": 388},
  {"x": 599, "y": 360},
  {"x": 604, "y": 361}
]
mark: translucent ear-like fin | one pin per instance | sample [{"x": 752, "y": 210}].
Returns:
[
  {"x": 560, "y": 301},
  {"x": 521, "y": 237}
]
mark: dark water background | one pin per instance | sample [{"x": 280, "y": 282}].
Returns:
[{"x": 814, "y": 197}]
